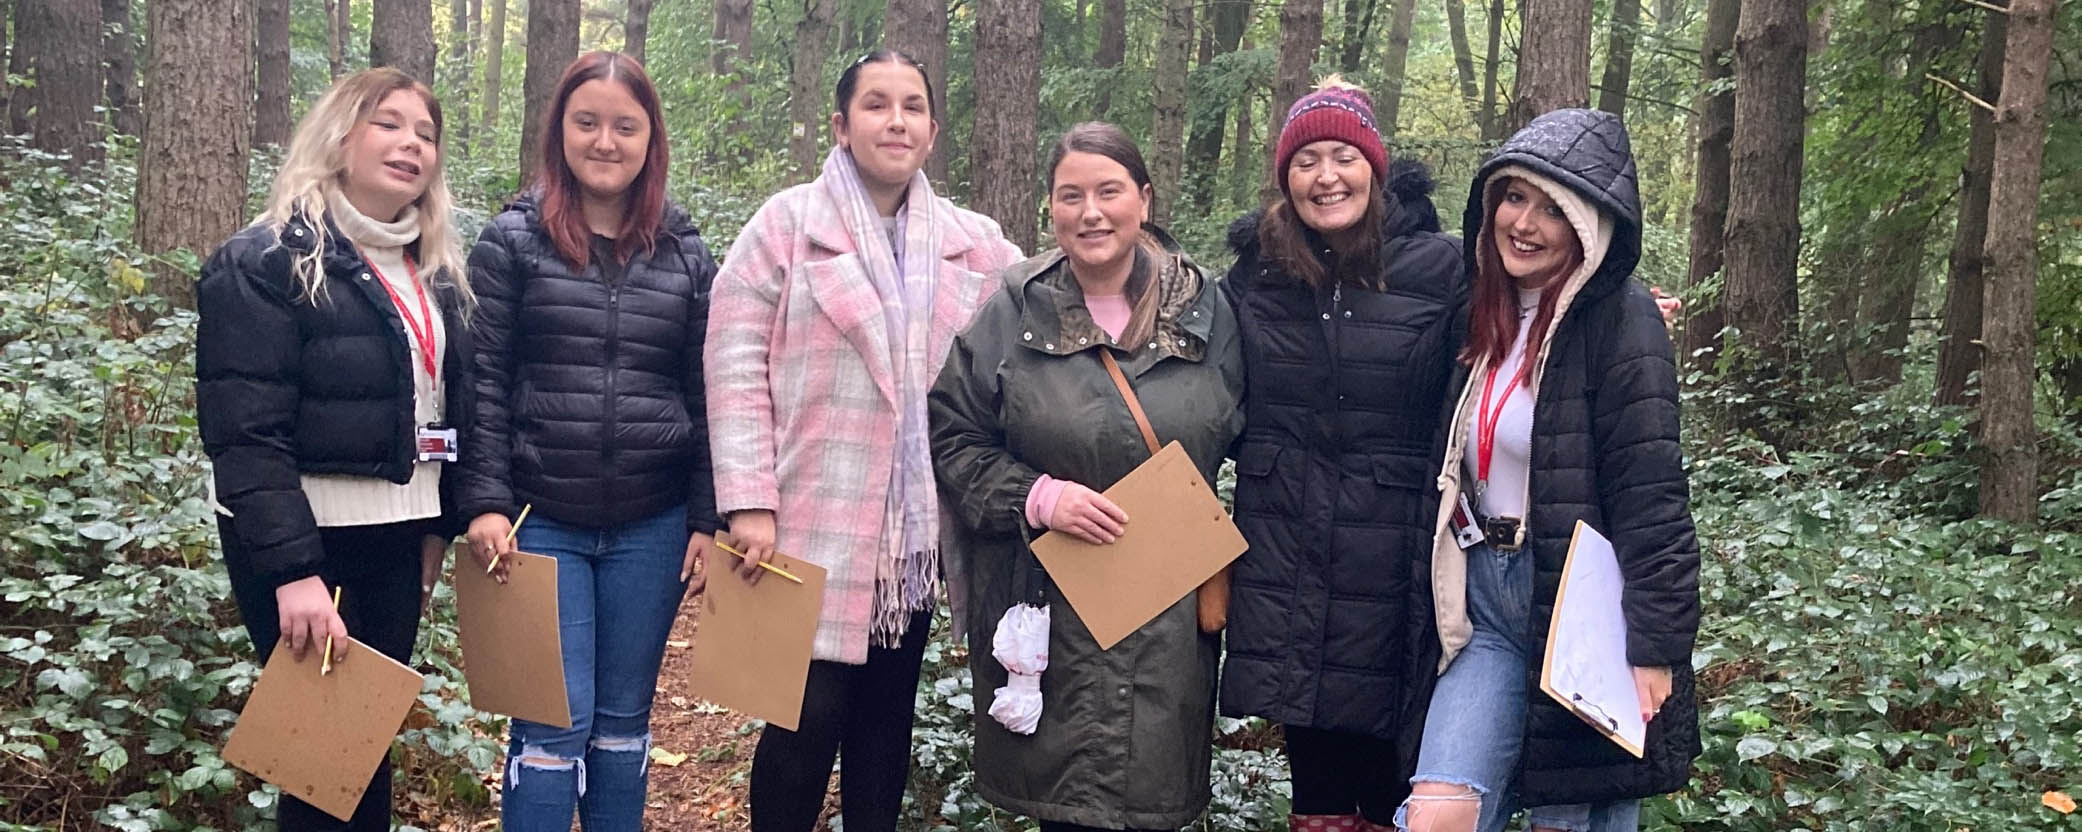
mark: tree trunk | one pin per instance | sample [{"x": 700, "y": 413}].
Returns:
[
  {"x": 17, "y": 110},
  {"x": 1113, "y": 48},
  {"x": 552, "y": 45},
  {"x": 919, "y": 28},
  {"x": 1763, "y": 240},
  {"x": 271, "y": 46},
  {"x": 1168, "y": 123},
  {"x": 1619, "y": 57},
  {"x": 2009, "y": 474},
  {"x": 1553, "y": 60},
  {"x": 1008, "y": 37},
  {"x": 733, "y": 35},
  {"x": 1959, "y": 344},
  {"x": 60, "y": 42},
  {"x": 637, "y": 31},
  {"x": 1389, "y": 108},
  {"x": 332, "y": 38},
  {"x": 807, "y": 109},
  {"x": 494, "y": 64},
  {"x": 346, "y": 33},
  {"x": 1301, "y": 33},
  {"x": 191, "y": 179},
  {"x": 1358, "y": 31},
  {"x": 1463, "y": 59},
  {"x": 1492, "y": 121},
  {"x": 1715, "y": 126},
  {"x": 1893, "y": 274},
  {"x": 1204, "y": 148},
  {"x": 1244, "y": 161},
  {"x": 466, "y": 26},
  {"x": 119, "y": 41},
  {"x": 401, "y": 34},
  {"x": 10, "y": 12}
]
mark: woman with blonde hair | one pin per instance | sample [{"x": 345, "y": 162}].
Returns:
[{"x": 331, "y": 378}]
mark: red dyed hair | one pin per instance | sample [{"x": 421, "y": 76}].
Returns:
[
  {"x": 1493, "y": 311},
  {"x": 563, "y": 215}
]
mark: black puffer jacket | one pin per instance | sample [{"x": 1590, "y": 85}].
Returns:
[
  {"x": 1330, "y": 623},
  {"x": 285, "y": 387},
  {"x": 1605, "y": 451},
  {"x": 589, "y": 391}
]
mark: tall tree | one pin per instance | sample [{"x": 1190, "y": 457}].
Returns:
[
  {"x": 2009, "y": 474},
  {"x": 17, "y": 118},
  {"x": 1714, "y": 125},
  {"x": 1464, "y": 60},
  {"x": 806, "y": 102},
  {"x": 1493, "y": 121},
  {"x": 636, "y": 31},
  {"x": 919, "y": 28},
  {"x": 1763, "y": 238},
  {"x": 1357, "y": 33},
  {"x": 335, "y": 34},
  {"x": 1619, "y": 57},
  {"x": 1244, "y": 165},
  {"x": 191, "y": 179},
  {"x": 1113, "y": 48},
  {"x": 1204, "y": 147},
  {"x": 60, "y": 43},
  {"x": 1553, "y": 60},
  {"x": 494, "y": 64},
  {"x": 271, "y": 84},
  {"x": 1174, "y": 46},
  {"x": 119, "y": 56},
  {"x": 552, "y": 44},
  {"x": 466, "y": 25},
  {"x": 1301, "y": 34},
  {"x": 733, "y": 35},
  {"x": 1390, "y": 106},
  {"x": 1959, "y": 341},
  {"x": 401, "y": 34},
  {"x": 1008, "y": 32}
]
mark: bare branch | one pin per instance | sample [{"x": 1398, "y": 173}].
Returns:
[{"x": 1961, "y": 90}]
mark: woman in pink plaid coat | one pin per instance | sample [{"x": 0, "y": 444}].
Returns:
[{"x": 828, "y": 322}]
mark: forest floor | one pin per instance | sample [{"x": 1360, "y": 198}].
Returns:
[{"x": 701, "y": 758}]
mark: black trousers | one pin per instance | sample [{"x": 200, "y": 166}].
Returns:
[
  {"x": 859, "y": 712},
  {"x": 377, "y": 570},
  {"x": 1336, "y": 773}
]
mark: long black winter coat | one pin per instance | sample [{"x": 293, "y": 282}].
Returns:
[
  {"x": 589, "y": 390},
  {"x": 1330, "y": 623},
  {"x": 285, "y": 387},
  {"x": 1604, "y": 451}
]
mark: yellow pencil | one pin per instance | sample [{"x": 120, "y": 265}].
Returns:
[
  {"x": 523, "y": 518},
  {"x": 762, "y": 564},
  {"x": 325, "y": 665}
]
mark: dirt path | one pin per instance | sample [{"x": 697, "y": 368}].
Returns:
[{"x": 704, "y": 790}]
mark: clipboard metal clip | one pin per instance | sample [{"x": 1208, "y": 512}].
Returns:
[{"x": 1599, "y": 719}]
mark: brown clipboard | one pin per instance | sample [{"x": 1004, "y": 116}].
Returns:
[
  {"x": 513, "y": 656},
  {"x": 319, "y": 737},
  {"x": 752, "y": 644},
  {"x": 1178, "y": 535}
]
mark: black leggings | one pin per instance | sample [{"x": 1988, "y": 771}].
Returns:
[
  {"x": 1336, "y": 773},
  {"x": 861, "y": 712},
  {"x": 377, "y": 570}
]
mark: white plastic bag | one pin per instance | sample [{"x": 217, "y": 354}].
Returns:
[{"x": 1021, "y": 645}]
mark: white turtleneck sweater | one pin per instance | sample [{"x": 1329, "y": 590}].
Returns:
[
  {"x": 344, "y": 500},
  {"x": 1504, "y": 495}
]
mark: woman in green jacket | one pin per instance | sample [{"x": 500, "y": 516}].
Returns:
[{"x": 1028, "y": 429}]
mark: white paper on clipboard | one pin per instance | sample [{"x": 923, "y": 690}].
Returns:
[{"x": 1586, "y": 667}]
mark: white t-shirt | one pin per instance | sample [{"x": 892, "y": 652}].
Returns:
[{"x": 1504, "y": 493}]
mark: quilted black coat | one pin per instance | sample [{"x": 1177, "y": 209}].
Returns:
[
  {"x": 589, "y": 389},
  {"x": 1605, "y": 451},
  {"x": 286, "y": 387},
  {"x": 1330, "y": 622}
]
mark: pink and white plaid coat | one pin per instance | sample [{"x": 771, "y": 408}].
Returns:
[{"x": 802, "y": 416}]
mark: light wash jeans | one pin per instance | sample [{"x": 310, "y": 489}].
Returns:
[
  {"x": 1476, "y": 727},
  {"x": 618, "y": 590}
]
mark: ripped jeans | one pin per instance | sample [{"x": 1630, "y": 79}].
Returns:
[
  {"x": 1476, "y": 726},
  {"x": 618, "y": 590}
]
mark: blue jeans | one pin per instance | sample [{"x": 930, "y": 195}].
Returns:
[
  {"x": 1476, "y": 727},
  {"x": 618, "y": 590}
]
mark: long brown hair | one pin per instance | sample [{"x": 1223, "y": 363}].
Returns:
[
  {"x": 1493, "y": 311},
  {"x": 563, "y": 213},
  {"x": 1103, "y": 139},
  {"x": 1284, "y": 239}
]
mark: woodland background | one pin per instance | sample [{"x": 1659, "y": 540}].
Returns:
[{"x": 1871, "y": 208}]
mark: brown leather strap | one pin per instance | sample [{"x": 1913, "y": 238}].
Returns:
[{"x": 1120, "y": 380}]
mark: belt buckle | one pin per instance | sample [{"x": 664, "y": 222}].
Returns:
[{"x": 1505, "y": 534}]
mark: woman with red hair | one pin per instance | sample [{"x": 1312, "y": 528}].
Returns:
[{"x": 594, "y": 305}]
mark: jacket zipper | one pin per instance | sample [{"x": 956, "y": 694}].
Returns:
[{"x": 614, "y": 351}]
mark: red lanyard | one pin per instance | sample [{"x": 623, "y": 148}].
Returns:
[
  {"x": 426, "y": 313},
  {"x": 1486, "y": 421}
]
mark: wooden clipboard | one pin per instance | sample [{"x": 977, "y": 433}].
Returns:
[
  {"x": 320, "y": 738},
  {"x": 1585, "y": 667},
  {"x": 513, "y": 656},
  {"x": 1178, "y": 535},
  {"x": 752, "y": 644}
]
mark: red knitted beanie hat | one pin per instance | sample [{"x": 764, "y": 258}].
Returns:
[{"x": 1334, "y": 110}]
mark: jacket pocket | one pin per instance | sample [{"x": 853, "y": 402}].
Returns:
[
  {"x": 1257, "y": 459},
  {"x": 1399, "y": 471}
]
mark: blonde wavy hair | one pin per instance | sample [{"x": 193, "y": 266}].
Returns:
[{"x": 317, "y": 159}]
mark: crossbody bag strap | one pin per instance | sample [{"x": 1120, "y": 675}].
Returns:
[{"x": 1120, "y": 380}]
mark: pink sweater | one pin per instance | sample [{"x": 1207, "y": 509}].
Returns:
[{"x": 1110, "y": 312}]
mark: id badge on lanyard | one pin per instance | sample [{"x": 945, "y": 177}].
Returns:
[{"x": 436, "y": 443}]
